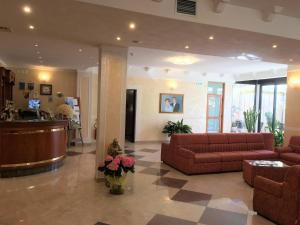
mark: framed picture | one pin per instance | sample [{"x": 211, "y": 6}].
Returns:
[
  {"x": 46, "y": 89},
  {"x": 170, "y": 103}
]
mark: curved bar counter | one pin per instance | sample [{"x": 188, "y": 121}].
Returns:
[{"x": 29, "y": 147}]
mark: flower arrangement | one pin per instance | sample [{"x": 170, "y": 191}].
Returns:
[
  {"x": 8, "y": 113},
  {"x": 65, "y": 110},
  {"x": 115, "y": 170}
]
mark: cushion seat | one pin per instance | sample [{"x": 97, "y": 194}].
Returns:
[
  {"x": 231, "y": 156},
  {"x": 207, "y": 158},
  {"x": 251, "y": 155},
  {"x": 267, "y": 154},
  {"x": 291, "y": 157}
]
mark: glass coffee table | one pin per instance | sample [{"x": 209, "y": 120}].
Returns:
[{"x": 271, "y": 169}]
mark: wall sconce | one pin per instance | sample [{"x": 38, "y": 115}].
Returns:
[
  {"x": 172, "y": 84},
  {"x": 44, "y": 76}
]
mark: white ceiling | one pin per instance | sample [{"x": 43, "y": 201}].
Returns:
[
  {"x": 65, "y": 26},
  {"x": 152, "y": 62}
]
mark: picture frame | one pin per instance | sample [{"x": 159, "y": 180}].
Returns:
[
  {"x": 171, "y": 103},
  {"x": 45, "y": 89}
]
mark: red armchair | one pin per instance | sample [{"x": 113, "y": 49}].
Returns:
[
  {"x": 279, "y": 202},
  {"x": 291, "y": 154}
]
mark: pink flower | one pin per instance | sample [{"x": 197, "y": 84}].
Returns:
[
  {"x": 108, "y": 158},
  {"x": 128, "y": 161},
  {"x": 113, "y": 166},
  {"x": 117, "y": 161}
]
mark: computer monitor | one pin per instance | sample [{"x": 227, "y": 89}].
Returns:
[{"x": 34, "y": 104}]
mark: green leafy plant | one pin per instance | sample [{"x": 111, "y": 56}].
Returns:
[
  {"x": 277, "y": 130},
  {"x": 176, "y": 128},
  {"x": 250, "y": 117}
]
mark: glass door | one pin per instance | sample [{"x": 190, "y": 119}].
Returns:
[
  {"x": 267, "y": 108},
  {"x": 215, "y": 107}
]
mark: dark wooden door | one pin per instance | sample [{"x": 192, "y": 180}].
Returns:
[{"x": 130, "y": 115}]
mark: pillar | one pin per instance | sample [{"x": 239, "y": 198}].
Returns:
[
  {"x": 292, "y": 116},
  {"x": 111, "y": 99}
]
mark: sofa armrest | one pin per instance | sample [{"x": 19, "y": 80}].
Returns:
[
  {"x": 185, "y": 153},
  {"x": 165, "y": 146},
  {"x": 268, "y": 186}
]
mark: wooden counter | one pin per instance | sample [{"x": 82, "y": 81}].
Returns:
[{"x": 28, "y": 147}]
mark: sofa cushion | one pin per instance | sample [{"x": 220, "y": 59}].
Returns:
[
  {"x": 217, "y": 139},
  {"x": 255, "y": 138},
  {"x": 197, "y": 148},
  {"x": 219, "y": 148},
  {"x": 238, "y": 147},
  {"x": 295, "y": 148},
  {"x": 189, "y": 139},
  {"x": 291, "y": 157},
  {"x": 267, "y": 154},
  {"x": 250, "y": 155},
  {"x": 231, "y": 156},
  {"x": 237, "y": 138},
  {"x": 255, "y": 146},
  {"x": 207, "y": 158}
]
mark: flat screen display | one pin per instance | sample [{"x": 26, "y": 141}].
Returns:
[{"x": 34, "y": 104}]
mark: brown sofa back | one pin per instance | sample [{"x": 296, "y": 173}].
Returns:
[
  {"x": 295, "y": 144},
  {"x": 223, "y": 142}
]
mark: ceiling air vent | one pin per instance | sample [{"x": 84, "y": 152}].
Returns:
[
  {"x": 5, "y": 29},
  {"x": 187, "y": 7}
]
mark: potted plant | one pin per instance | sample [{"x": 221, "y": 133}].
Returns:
[
  {"x": 277, "y": 130},
  {"x": 176, "y": 128},
  {"x": 115, "y": 170},
  {"x": 250, "y": 117}
]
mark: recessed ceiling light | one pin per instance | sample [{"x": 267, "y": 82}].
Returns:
[
  {"x": 211, "y": 37},
  {"x": 291, "y": 60},
  {"x": 274, "y": 46},
  {"x": 27, "y": 9},
  {"x": 31, "y": 27},
  {"x": 36, "y": 45},
  {"x": 132, "y": 26},
  {"x": 118, "y": 38},
  {"x": 40, "y": 57},
  {"x": 38, "y": 52},
  {"x": 80, "y": 50},
  {"x": 186, "y": 47}
]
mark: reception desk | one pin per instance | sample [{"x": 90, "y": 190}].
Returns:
[{"x": 28, "y": 147}]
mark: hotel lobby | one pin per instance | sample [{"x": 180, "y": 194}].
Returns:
[{"x": 153, "y": 112}]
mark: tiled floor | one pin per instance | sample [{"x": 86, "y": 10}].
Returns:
[{"x": 155, "y": 195}]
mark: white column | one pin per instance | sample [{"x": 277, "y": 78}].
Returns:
[{"x": 111, "y": 99}]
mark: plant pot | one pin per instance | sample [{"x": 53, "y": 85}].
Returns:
[{"x": 116, "y": 189}]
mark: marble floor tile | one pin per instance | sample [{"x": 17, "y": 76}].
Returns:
[
  {"x": 149, "y": 150},
  {"x": 221, "y": 217},
  {"x": 192, "y": 197},
  {"x": 167, "y": 220},
  {"x": 154, "y": 171},
  {"x": 170, "y": 182}
]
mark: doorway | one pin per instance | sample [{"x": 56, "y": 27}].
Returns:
[
  {"x": 214, "y": 115},
  {"x": 130, "y": 115}
]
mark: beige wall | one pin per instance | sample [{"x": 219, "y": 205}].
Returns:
[
  {"x": 292, "y": 119},
  {"x": 64, "y": 81},
  {"x": 149, "y": 122}
]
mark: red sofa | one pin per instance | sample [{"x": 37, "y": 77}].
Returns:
[
  {"x": 279, "y": 201},
  {"x": 209, "y": 153},
  {"x": 291, "y": 154}
]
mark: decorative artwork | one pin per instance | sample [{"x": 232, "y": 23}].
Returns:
[
  {"x": 30, "y": 86},
  {"x": 46, "y": 89},
  {"x": 171, "y": 103},
  {"x": 22, "y": 86}
]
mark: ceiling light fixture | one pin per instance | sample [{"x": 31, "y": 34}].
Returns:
[
  {"x": 80, "y": 50},
  {"x": 36, "y": 45},
  {"x": 291, "y": 60},
  {"x": 211, "y": 37},
  {"x": 118, "y": 38},
  {"x": 274, "y": 46},
  {"x": 183, "y": 60},
  {"x": 186, "y": 47},
  {"x": 132, "y": 26},
  {"x": 31, "y": 27},
  {"x": 27, "y": 9}
]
